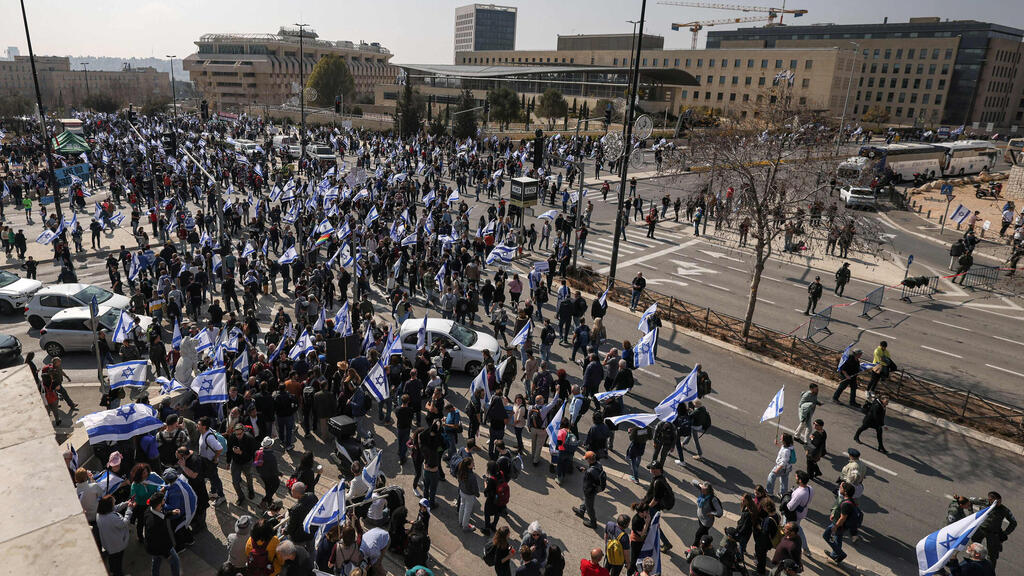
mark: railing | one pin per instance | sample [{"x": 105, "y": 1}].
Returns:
[
  {"x": 981, "y": 276},
  {"x": 958, "y": 405}
]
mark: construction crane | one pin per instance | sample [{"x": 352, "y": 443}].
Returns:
[
  {"x": 773, "y": 13},
  {"x": 696, "y": 27}
]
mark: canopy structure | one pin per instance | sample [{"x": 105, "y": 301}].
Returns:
[{"x": 68, "y": 143}]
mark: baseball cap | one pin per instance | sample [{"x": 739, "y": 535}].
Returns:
[{"x": 853, "y": 452}]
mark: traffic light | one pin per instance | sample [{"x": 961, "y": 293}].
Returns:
[
  {"x": 607, "y": 115},
  {"x": 538, "y": 148},
  {"x": 337, "y": 105}
]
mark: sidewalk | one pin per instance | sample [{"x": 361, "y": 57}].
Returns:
[{"x": 931, "y": 206}]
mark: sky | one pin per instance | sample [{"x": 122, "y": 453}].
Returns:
[{"x": 416, "y": 31}]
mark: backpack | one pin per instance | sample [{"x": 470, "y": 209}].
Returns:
[
  {"x": 220, "y": 439},
  {"x": 602, "y": 481},
  {"x": 453, "y": 464},
  {"x": 792, "y": 456},
  {"x": 258, "y": 562},
  {"x": 774, "y": 533},
  {"x": 508, "y": 468},
  {"x": 536, "y": 421},
  {"x": 670, "y": 502},
  {"x": 501, "y": 494},
  {"x": 853, "y": 521},
  {"x": 257, "y": 459},
  {"x": 703, "y": 384},
  {"x": 790, "y": 515},
  {"x": 614, "y": 552},
  {"x": 490, "y": 554}
]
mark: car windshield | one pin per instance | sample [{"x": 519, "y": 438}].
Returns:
[
  {"x": 463, "y": 335},
  {"x": 86, "y": 294},
  {"x": 324, "y": 150},
  {"x": 6, "y": 279},
  {"x": 109, "y": 319}
]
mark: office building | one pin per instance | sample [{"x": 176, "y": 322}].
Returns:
[
  {"x": 925, "y": 71},
  {"x": 233, "y": 71},
  {"x": 62, "y": 87},
  {"x": 608, "y": 42},
  {"x": 12, "y": 52},
  {"x": 485, "y": 27}
]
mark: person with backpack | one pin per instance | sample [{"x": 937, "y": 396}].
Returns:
[
  {"x": 496, "y": 497},
  {"x": 766, "y": 533},
  {"x": 616, "y": 544},
  {"x": 709, "y": 507},
  {"x": 659, "y": 497},
  {"x": 538, "y": 433},
  {"x": 784, "y": 462},
  {"x": 795, "y": 507},
  {"x": 846, "y": 518},
  {"x": 211, "y": 446},
  {"x": 700, "y": 422},
  {"x": 595, "y": 480},
  {"x": 418, "y": 548},
  {"x": 664, "y": 440},
  {"x": 498, "y": 552}
]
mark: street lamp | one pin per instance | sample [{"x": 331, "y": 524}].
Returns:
[
  {"x": 174, "y": 98},
  {"x": 85, "y": 66},
  {"x": 302, "y": 96},
  {"x": 846, "y": 101}
]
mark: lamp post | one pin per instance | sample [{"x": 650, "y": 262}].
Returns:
[
  {"x": 174, "y": 97},
  {"x": 842, "y": 119},
  {"x": 85, "y": 66},
  {"x": 302, "y": 96}
]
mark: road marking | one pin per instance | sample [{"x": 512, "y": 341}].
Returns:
[
  {"x": 739, "y": 269},
  {"x": 1005, "y": 370},
  {"x": 646, "y": 371},
  {"x": 766, "y": 301},
  {"x": 702, "y": 260},
  {"x": 722, "y": 288},
  {"x": 766, "y": 277},
  {"x": 724, "y": 403},
  {"x": 646, "y": 265},
  {"x": 651, "y": 255},
  {"x": 882, "y": 468},
  {"x": 953, "y": 326},
  {"x": 717, "y": 255},
  {"x": 895, "y": 310},
  {"x": 1008, "y": 340},
  {"x": 880, "y": 334},
  {"x": 798, "y": 285},
  {"x": 941, "y": 351}
]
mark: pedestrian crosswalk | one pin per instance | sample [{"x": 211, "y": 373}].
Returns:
[{"x": 599, "y": 248}]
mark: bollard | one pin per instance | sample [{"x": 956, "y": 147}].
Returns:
[
  {"x": 919, "y": 206},
  {"x": 941, "y": 219},
  {"x": 929, "y": 215}
]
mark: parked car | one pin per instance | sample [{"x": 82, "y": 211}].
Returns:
[
  {"x": 320, "y": 152},
  {"x": 71, "y": 330},
  {"x": 858, "y": 197},
  {"x": 52, "y": 299},
  {"x": 10, "y": 350},
  {"x": 15, "y": 292},
  {"x": 465, "y": 344}
]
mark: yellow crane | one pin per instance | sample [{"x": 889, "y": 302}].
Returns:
[
  {"x": 696, "y": 27},
  {"x": 773, "y": 13}
]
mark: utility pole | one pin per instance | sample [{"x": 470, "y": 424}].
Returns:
[
  {"x": 51, "y": 176},
  {"x": 174, "y": 97},
  {"x": 579, "y": 198},
  {"x": 627, "y": 145},
  {"x": 302, "y": 97},
  {"x": 846, "y": 101},
  {"x": 85, "y": 66}
]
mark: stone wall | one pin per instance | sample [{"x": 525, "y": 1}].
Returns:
[{"x": 1013, "y": 188}]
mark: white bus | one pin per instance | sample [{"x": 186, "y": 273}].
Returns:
[
  {"x": 1014, "y": 153},
  {"x": 906, "y": 160},
  {"x": 968, "y": 156}
]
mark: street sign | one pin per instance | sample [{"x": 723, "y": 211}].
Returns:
[
  {"x": 910, "y": 260},
  {"x": 64, "y": 174},
  {"x": 947, "y": 189}
]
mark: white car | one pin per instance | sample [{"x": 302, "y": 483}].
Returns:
[
  {"x": 71, "y": 330},
  {"x": 858, "y": 197},
  {"x": 52, "y": 299},
  {"x": 465, "y": 344},
  {"x": 15, "y": 292},
  {"x": 321, "y": 152}
]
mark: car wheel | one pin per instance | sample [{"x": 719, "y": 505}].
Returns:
[
  {"x": 36, "y": 322},
  {"x": 54, "y": 349},
  {"x": 473, "y": 368},
  {"x": 6, "y": 308}
]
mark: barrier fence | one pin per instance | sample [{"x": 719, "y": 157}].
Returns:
[{"x": 958, "y": 405}]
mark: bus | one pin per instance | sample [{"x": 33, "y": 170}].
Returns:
[
  {"x": 968, "y": 156},
  {"x": 1014, "y": 153},
  {"x": 906, "y": 160}
]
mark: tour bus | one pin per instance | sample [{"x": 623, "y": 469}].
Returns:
[
  {"x": 968, "y": 156},
  {"x": 1014, "y": 153},
  {"x": 905, "y": 160}
]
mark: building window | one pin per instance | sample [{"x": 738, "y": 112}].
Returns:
[
  {"x": 615, "y": 61},
  {"x": 805, "y": 83},
  {"x": 719, "y": 97},
  {"x": 760, "y": 81},
  {"x": 922, "y": 54},
  {"x": 721, "y": 80},
  {"x": 899, "y": 53},
  {"x": 803, "y": 100},
  {"x": 910, "y": 112},
  {"x": 871, "y": 82},
  {"x": 725, "y": 63},
  {"x": 910, "y": 53},
  {"x": 920, "y": 68},
  {"x": 867, "y": 96},
  {"x": 700, "y": 63},
  {"x": 676, "y": 63},
  {"x": 942, "y": 83},
  {"x": 931, "y": 69},
  {"x": 792, "y": 64},
  {"x": 874, "y": 56},
  {"x": 778, "y": 64},
  {"x": 664, "y": 62},
  {"x": 945, "y": 69},
  {"x": 746, "y": 81},
  {"x": 892, "y": 82},
  {"x": 764, "y": 63},
  {"x": 889, "y": 96},
  {"x": 904, "y": 83},
  {"x": 913, "y": 97},
  {"x": 899, "y": 111},
  {"x": 732, "y": 97},
  {"x": 885, "y": 68},
  {"x": 902, "y": 97},
  {"x": 874, "y": 68},
  {"x": 711, "y": 62},
  {"x": 710, "y": 80},
  {"x": 750, "y": 63},
  {"x": 888, "y": 53},
  {"x": 682, "y": 94},
  {"x": 688, "y": 62},
  {"x": 895, "y": 68},
  {"x": 746, "y": 97},
  {"x": 735, "y": 80},
  {"x": 938, "y": 99},
  {"x": 949, "y": 54},
  {"x": 707, "y": 95},
  {"x": 935, "y": 53},
  {"x": 736, "y": 63},
  {"x": 925, "y": 98},
  {"x": 808, "y": 64}
]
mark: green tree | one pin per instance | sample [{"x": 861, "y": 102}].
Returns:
[
  {"x": 409, "y": 112},
  {"x": 552, "y": 105},
  {"x": 102, "y": 103},
  {"x": 876, "y": 114},
  {"x": 155, "y": 106},
  {"x": 439, "y": 124},
  {"x": 465, "y": 121},
  {"x": 331, "y": 78},
  {"x": 14, "y": 105},
  {"x": 506, "y": 106}
]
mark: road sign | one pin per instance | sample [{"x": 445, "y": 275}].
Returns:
[
  {"x": 910, "y": 260},
  {"x": 947, "y": 189}
]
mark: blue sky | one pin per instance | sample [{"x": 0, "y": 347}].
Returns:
[{"x": 417, "y": 31}]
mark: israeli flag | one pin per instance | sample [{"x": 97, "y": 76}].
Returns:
[
  {"x": 549, "y": 215},
  {"x": 131, "y": 373},
  {"x": 960, "y": 214},
  {"x": 393, "y": 345},
  {"x": 429, "y": 199},
  {"x": 377, "y": 381},
  {"x": 203, "y": 340},
  {"x": 638, "y": 420},
  {"x": 122, "y": 423},
  {"x": 248, "y": 250},
  {"x": 320, "y": 321},
  {"x": 642, "y": 326},
  {"x": 602, "y": 396},
  {"x": 643, "y": 352},
  {"x": 480, "y": 383},
  {"x": 47, "y": 235},
  {"x": 428, "y": 225},
  {"x": 442, "y": 273},
  {"x": 217, "y": 263},
  {"x": 242, "y": 363},
  {"x": 652, "y": 545},
  {"x": 169, "y": 386},
  {"x": 364, "y": 193},
  {"x": 371, "y": 216},
  {"x": 263, "y": 249},
  {"x": 453, "y": 197},
  {"x": 502, "y": 253},
  {"x": 775, "y": 407},
  {"x": 553, "y": 426},
  {"x": 844, "y": 357},
  {"x": 290, "y": 255},
  {"x": 180, "y": 496},
  {"x": 686, "y": 391},
  {"x": 523, "y": 334},
  {"x": 135, "y": 268},
  {"x": 421, "y": 334},
  {"x": 344, "y": 231},
  {"x": 302, "y": 345},
  {"x": 109, "y": 481},
  {"x": 211, "y": 386},
  {"x": 343, "y": 321},
  {"x": 333, "y": 259},
  {"x": 603, "y": 300},
  {"x": 368, "y": 340},
  {"x": 409, "y": 240},
  {"x": 124, "y": 326},
  {"x": 935, "y": 549},
  {"x": 231, "y": 344},
  {"x": 370, "y": 474},
  {"x": 275, "y": 194},
  {"x": 325, "y": 227}
]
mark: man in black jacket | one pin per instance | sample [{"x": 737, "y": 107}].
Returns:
[
  {"x": 241, "y": 451},
  {"x": 594, "y": 481},
  {"x": 659, "y": 497},
  {"x": 874, "y": 417},
  {"x": 848, "y": 371},
  {"x": 813, "y": 294},
  {"x": 297, "y": 516},
  {"x": 159, "y": 534}
]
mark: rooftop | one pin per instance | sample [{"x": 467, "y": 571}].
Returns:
[
  {"x": 668, "y": 76},
  {"x": 290, "y": 36}
]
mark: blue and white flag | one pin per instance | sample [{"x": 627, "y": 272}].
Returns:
[
  {"x": 453, "y": 197},
  {"x": 935, "y": 549},
  {"x": 686, "y": 391},
  {"x": 231, "y": 343},
  {"x": 344, "y": 231},
  {"x": 602, "y": 396},
  {"x": 960, "y": 214},
  {"x": 501, "y": 253},
  {"x": 242, "y": 363},
  {"x": 109, "y": 481},
  {"x": 248, "y": 250},
  {"x": 642, "y": 326},
  {"x": 603, "y": 299},
  {"x": 370, "y": 474},
  {"x": 180, "y": 496},
  {"x": 203, "y": 340},
  {"x": 169, "y": 386},
  {"x": 480, "y": 383},
  {"x": 303, "y": 345},
  {"x": 371, "y": 216},
  {"x": 775, "y": 407},
  {"x": 638, "y": 420},
  {"x": 377, "y": 381},
  {"x": 73, "y": 464},
  {"x": 368, "y": 340},
  {"x": 421, "y": 334},
  {"x": 211, "y": 386},
  {"x": 132, "y": 373},
  {"x": 343, "y": 321},
  {"x": 290, "y": 255},
  {"x": 844, "y": 357},
  {"x": 523, "y": 334},
  {"x": 409, "y": 240},
  {"x": 218, "y": 262},
  {"x": 549, "y": 215},
  {"x": 643, "y": 352},
  {"x": 122, "y": 423},
  {"x": 393, "y": 345},
  {"x": 135, "y": 268},
  {"x": 124, "y": 327},
  {"x": 329, "y": 510},
  {"x": 321, "y": 320},
  {"x": 439, "y": 278},
  {"x": 553, "y": 426},
  {"x": 429, "y": 199},
  {"x": 652, "y": 545}
]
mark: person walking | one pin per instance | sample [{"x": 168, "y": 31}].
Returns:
[
  {"x": 784, "y": 461},
  {"x": 469, "y": 491},
  {"x": 160, "y": 536},
  {"x": 795, "y": 510},
  {"x": 848, "y": 371},
  {"x": 240, "y": 455},
  {"x": 805, "y": 410},
  {"x": 813, "y": 295},
  {"x": 991, "y": 530},
  {"x": 874, "y": 417},
  {"x": 210, "y": 450},
  {"x": 845, "y": 519},
  {"x": 616, "y": 544},
  {"x": 842, "y": 278},
  {"x": 659, "y": 497},
  {"x": 595, "y": 480},
  {"x": 709, "y": 507},
  {"x": 816, "y": 449}
]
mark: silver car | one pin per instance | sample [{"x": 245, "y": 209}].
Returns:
[{"x": 71, "y": 330}]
